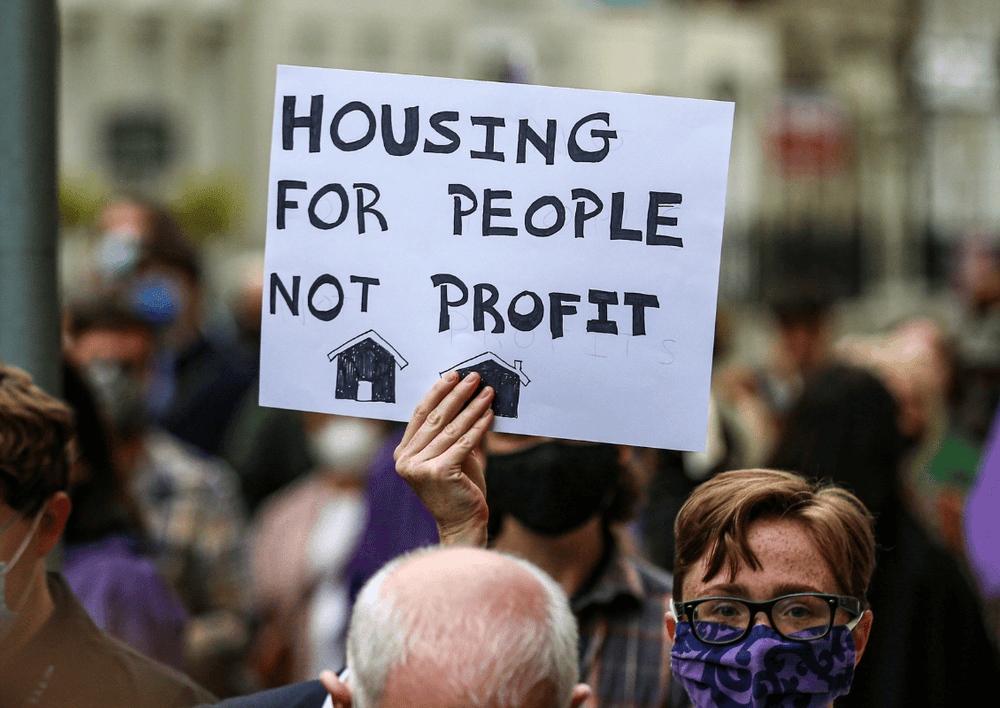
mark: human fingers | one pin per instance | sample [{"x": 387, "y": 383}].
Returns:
[
  {"x": 454, "y": 484},
  {"x": 435, "y": 420},
  {"x": 461, "y": 424},
  {"x": 441, "y": 388},
  {"x": 440, "y": 482},
  {"x": 475, "y": 463}
]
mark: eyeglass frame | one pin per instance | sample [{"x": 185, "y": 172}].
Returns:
[{"x": 848, "y": 603}]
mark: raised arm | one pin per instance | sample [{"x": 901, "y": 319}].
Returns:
[{"x": 442, "y": 460}]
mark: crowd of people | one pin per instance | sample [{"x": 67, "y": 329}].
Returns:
[{"x": 208, "y": 548}]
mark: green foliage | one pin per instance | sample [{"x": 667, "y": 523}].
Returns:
[
  {"x": 80, "y": 201},
  {"x": 208, "y": 206}
]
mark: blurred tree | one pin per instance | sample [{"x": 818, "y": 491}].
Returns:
[
  {"x": 209, "y": 205},
  {"x": 80, "y": 200}
]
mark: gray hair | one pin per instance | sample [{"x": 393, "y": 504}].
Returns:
[{"x": 514, "y": 652}]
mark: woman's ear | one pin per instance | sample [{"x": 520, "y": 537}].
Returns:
[
  {"x": 860, "y": 633},
  {"x": 581, "y": 692},
  {"x": 671, "y": 623},
  {"x": 340, "y": 692}
]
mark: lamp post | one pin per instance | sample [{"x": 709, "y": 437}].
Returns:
[{"x": 29, "y": 300}]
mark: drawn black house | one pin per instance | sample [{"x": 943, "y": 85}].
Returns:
[
  {"x": 505, "y": 379},
  {"x": 366, "y": 368}
]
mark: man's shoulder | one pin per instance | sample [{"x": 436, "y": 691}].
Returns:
[
  {"x": 76, "y": 663},
  {"x": 160, "y": 684},
  {"x": 310, "y": 694}
]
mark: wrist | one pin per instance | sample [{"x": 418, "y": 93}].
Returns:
[{"x": 473, "y": 534}]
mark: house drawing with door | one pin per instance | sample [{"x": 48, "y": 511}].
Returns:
[
  {"x": 366, "y": 368},
  {"x": 505, "y": 379}
]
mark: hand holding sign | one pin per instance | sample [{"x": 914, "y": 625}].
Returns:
[{"x": 441, "y": 457}]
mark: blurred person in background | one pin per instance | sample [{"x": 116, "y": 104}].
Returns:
[
  {"x": 982, "y": 531},
  {"x": 190, "y": 503},
  {"x": 845, "y": 427},
  {"x": 557, "y": 504},
  {"x": 397, "y": 521},
  {"x": 268, "y": 447},
  {"x": 51, "y": 652},
  {"x": 757, "y": 398},
  {"x": 977, "y": 281},
  {"x": 198, "y": 381},
  {"x": 246, "y": 298},
  {"x": 916, "y": 362},
  {"x": 107, "y": 560},
  {"x": 802, "y": 311},
  {"x": 302, "y": 542}
]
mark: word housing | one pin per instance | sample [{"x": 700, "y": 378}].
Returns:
[{"x": 439, "y": 123}]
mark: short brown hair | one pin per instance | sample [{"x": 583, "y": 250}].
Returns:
[
  {"x": 35, "y": 433},
  {"x": 107, "y": 312},
  {"x": 717, "y": 516}
]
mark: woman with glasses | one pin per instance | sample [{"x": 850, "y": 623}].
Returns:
[{"x": 769, "y": 603}]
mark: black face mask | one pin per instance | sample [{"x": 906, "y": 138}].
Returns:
[{"x": 554, "y": 487}]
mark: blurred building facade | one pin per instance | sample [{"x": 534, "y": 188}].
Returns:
[{"x": 867, "y": 132}]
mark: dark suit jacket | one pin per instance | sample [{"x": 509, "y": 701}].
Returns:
[{"x": 310, "y": 694}]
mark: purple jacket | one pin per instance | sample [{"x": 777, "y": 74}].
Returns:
[
  {"x": 125, "y": 596},
  {"x": 397, "y": 521},
  {"x": 982, "y": 531}
]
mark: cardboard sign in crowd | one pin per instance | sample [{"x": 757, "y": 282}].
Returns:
[{"x": 565, "y": 244}]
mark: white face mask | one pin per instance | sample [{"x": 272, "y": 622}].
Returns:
[
  {"x": 344, "y": 446},
  {"x": 8, "y": 616},
  {"x": 118, "y": 252}
]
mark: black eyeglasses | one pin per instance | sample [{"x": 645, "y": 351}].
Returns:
[{"x": 801, "y": 617}]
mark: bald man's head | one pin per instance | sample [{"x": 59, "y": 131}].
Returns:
[
  {"x": 467, "y": 578},
  {"x": 462, "y": 627}
]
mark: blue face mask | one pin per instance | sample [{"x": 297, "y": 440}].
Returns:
[
  {"x": 7, "y": 615},
  {"x": 158, "y": 298},
  {"x": 765, "y": 670}
]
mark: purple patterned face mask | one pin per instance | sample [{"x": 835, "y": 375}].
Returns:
[{"x": 764, "y": 670}]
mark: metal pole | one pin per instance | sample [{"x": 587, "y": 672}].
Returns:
[{"x": 29, "y": 298}]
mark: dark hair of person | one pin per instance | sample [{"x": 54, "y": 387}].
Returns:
[
  {"x": 164, "y": 243},
  {"x": 108, "y": 312},
  {"x": 36, "y": 430},
  {"x": 844, "y": 427},
  {"x": 801, "y": 304},
  {"x": 102, "y": 504}
]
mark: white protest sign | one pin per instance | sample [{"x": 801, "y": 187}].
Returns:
[{"x": 563, "y": 243}]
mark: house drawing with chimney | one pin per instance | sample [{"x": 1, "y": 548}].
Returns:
[
  {"x": 505, "y": 379},
  {"x": 366, "y": 368}
]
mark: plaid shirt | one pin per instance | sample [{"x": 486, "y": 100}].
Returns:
[
  {"x": 623, "y": 637},
  {"x": 195, "y": 520}
]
